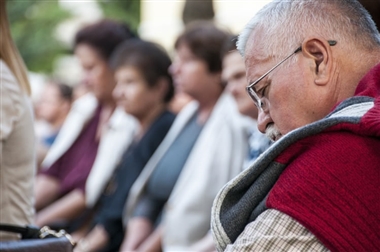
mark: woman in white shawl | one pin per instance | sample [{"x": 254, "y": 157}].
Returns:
[{"x": 210, "y": 153}]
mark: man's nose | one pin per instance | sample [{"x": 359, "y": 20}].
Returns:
[{"x": 263, "y": 119}]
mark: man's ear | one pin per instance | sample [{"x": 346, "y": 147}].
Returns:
[{"x": 320, "y": 53}]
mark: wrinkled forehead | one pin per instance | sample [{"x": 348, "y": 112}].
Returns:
[{"x": 256, "y": 50}]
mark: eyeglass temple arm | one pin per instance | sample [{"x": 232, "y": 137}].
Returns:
[
  {"x": 331, "y": 43},
  {"x": 270, "y": 70}
]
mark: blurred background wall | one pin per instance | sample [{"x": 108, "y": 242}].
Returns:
[{"x": 44, "y": 30}]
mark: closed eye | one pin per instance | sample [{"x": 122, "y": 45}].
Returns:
[{"x": 262, "y": 90}]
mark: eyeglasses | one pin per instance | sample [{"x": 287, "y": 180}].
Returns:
[{"x": 256, "y": 97}]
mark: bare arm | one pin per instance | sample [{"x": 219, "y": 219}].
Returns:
[
  {"x": 138, "y": 230},
  {"x": 94, "y": 241},
  {"x": 206, "y": 244},
  {"x": 153, "y": 242},
  {"x": 66, "y": 208},
  {"x": 45, "y": 191}
]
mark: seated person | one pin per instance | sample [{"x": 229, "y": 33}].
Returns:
[
  {"x": 93, "y": 137},
  {"x": 144, "y": 89},
  {"x": 207, "y": 138},
  {"x": 52, "y": 109},
  {"x": 233, "y": 75}
]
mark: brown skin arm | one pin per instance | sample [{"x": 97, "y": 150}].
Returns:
[
  {"x": 153, "y": 242},
  {"x": 66, "y": 208},
  {"x": 206, "y": 244},
  {"x": 94, "y": 241},
  {"x": 138, "y": 230},
  {"x": 46, "y": 191}
]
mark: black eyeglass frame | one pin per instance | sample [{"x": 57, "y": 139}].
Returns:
[{"x": 250, "y": 88}]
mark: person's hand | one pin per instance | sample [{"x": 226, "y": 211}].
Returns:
[
  {"x": 94, "y": 241},
  {"x": 82, "y": 246},
  {"x": 138, "y": 230},
  {"x": 153, "y": 242},
  {"x": 206, "y": 244}
]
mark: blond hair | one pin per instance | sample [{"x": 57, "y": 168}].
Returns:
[{"x": 9, "y": 52}]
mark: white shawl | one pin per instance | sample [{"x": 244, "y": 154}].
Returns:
[{"x": 216, "y": 158}]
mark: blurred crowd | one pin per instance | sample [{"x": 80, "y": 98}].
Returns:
[
  {"x": 132, "y": 158},
  {"x": 141, "y": 147},
  {"x": 124, "y": 165}
]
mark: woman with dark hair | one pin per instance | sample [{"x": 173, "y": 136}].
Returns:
[
  {"x": 169, "y": 204},
  {"x": 144, "y": 89},
  {"x": 93, "y": 137}
]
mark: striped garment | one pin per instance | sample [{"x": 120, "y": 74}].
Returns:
[{"x": 263, "y": 235}]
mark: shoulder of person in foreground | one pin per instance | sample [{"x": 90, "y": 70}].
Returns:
[{"x": 11, "y": 100}]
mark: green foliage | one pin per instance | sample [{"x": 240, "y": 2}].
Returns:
[
  {"x": 33, "y": 25},
  {"x": 127, "y": 11}
]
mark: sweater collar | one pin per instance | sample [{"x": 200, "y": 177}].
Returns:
[{"x": 370, "y": 83}]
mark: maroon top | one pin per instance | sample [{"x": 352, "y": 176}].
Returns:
[{"x": 74, "y": 166}]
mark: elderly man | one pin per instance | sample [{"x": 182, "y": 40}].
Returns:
[{"x": 315, "y": 77}]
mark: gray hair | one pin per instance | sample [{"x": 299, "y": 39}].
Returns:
[{"x": 287, "y": 23}]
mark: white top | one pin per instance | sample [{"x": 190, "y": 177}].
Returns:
[
  {"x": 17, "y": 154},
  {"x": 217, "y": 156}
]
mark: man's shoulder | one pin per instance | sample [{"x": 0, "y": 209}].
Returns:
[
  {"x": 319, "y": 164},
  {"x": 331, "y": 179},
  {"x": 276, "y": 231},
  {"x": 330, "y": 148}
]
